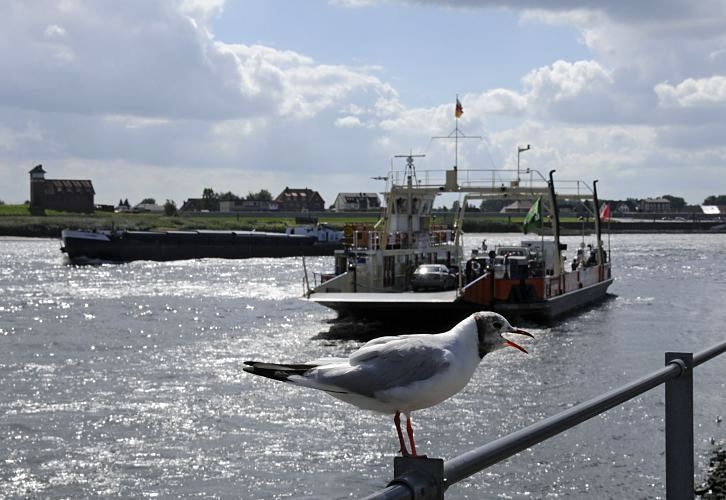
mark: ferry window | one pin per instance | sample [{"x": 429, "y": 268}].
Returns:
[{"x": 401, "y": 206}]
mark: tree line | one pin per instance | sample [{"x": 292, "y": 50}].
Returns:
[{"x": 211, "y": 199}]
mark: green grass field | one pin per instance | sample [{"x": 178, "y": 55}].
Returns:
[
  {"x": 14, "y": 210},
  {"x": 16, "y": 220}
]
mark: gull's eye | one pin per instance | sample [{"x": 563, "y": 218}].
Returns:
[{"x": 497, "y": 325}]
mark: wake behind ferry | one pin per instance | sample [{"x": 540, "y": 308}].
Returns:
[{"x": 375, "y": 273}]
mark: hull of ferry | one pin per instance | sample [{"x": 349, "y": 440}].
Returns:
[{"x": 543, "y": 299}]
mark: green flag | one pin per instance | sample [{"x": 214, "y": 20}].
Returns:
[{"x": 534, "y": 216}]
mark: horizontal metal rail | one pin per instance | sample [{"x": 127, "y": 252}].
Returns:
[
  {"x": 458, "y": 468},
  {"x": 487, "y": 180}
]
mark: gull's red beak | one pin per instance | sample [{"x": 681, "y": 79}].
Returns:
[{"x": 514, "y": 344}]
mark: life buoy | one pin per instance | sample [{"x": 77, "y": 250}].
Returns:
[{"x": 475, "y": 266}]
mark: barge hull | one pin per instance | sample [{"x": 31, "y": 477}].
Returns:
[{"x": 192, "y": 245}]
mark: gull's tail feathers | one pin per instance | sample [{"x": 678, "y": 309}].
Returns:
[{"x": 277, "y": 371}]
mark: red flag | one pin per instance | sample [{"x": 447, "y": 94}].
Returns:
[
  {"x": 605, "y": 212},
  {"x": 459, "y": 109}
]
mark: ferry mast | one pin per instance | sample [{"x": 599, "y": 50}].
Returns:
[{"x": 457, "y": 134}]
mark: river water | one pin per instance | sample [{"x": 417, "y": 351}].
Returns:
[{"x": 126, "y": 381}]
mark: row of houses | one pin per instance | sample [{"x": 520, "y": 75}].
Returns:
[
  {"x": 292, "y": 200},
  {"x": 76, "y": 195}
]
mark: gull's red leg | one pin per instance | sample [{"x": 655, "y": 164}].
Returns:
[
  {"x": 397, "y": 421},
  {"x": 409, "y": 430}
]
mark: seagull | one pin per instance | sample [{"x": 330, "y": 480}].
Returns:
[{"x": 401, "y": 374}]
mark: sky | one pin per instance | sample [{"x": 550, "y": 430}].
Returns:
[{"x": 163, "y": 98}]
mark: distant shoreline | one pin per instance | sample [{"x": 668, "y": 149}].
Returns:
[{"x": 51, "y": 226}]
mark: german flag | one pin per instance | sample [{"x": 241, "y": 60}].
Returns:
[{"x": 459, "y": 109}]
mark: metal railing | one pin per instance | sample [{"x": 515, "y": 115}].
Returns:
[{"x": 423, "y": 478}]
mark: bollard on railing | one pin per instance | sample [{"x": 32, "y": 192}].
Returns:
[{"x": 416, "y": 482}]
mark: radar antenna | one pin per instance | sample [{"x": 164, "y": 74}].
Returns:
[{"x": 410, "y": 173}]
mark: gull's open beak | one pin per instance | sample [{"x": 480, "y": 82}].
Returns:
[
  {"x": 514, "y": 344},
  {"x": 522, "y": 332}
]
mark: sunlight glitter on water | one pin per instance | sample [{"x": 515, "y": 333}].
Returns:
[{"x": 131, "y": 384}]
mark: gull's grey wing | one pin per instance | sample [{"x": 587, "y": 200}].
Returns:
[
  {"x": 396, "y": 364},
  {"x": 374, "y": 347}
]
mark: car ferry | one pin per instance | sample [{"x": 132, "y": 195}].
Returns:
[{"x": 373, "y": 273}]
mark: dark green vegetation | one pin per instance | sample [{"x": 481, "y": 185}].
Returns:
[
  {"x": 211, "y": 199},
  {"x": 715, "y": 486},
  {"x": 715, "y": 200}
]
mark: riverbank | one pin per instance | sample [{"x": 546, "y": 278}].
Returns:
[{"x": 51, "y": 225}]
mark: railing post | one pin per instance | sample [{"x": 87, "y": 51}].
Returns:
[
  {"x": 679, "y": 429},
  {"x": 424, "y": 477}
]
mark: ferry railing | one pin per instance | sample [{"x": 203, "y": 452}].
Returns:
[
  {"x": 428, "y": 479},
  {"x": 372, "y": 240},
  {"x": 493, "y": 179}
]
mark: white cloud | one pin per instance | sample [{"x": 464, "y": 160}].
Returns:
[
  {"x": 348, "y": 122},
  {"x": 135, "y": 121},
  {"x": 202, "y": 9},
  {"x": 53, "y": 30},
  {"x": 354, "y": 3},
  {"x": 102, "y": 66},
  {"x": 569, "y": 92},
  {"x": 389, "y": 104},
  {"x": 419, "y": 121},
  {"x": 690, "y": 93},
  {"x": 498, "y": 101},
  {"x": 582, "y": 91},
  {"x": 629, "y": 160},
  {"x": 563, "y": 80},
  {"x": 167, "y": 66}
]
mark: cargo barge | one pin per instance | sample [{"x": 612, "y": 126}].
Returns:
[{"x": 126, "y": 246}]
